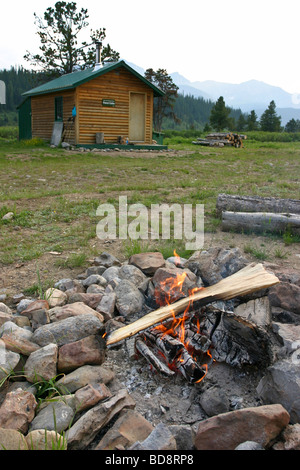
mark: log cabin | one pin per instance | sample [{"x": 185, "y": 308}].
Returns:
[{"x": 105, "y": 106}]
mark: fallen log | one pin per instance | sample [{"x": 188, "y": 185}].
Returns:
[
  {"x": 236, "y": 203},
  {"x": 246, "y": 281},
  {"x": 260, "y": 222},
  {"x": 219, "y": 135}
]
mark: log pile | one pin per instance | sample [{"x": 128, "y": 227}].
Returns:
[
  {"x": 221, "y": 139},
  {"x": 258, "y": 214}
]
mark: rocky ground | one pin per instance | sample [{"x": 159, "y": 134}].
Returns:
[{"x": 112, "y": 399}]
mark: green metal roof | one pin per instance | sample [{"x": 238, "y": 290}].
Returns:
[{"x": 73, "y": 80}]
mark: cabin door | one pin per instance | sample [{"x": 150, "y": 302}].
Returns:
[{"x": 137, "y": 118}]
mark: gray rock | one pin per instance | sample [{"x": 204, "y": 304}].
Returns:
[
  {"x": 64, "y": 284},
  {"x": 281, "y": 384},
  {"x": 8, "y": 361},
  {"x": 23, "y": 304},
  {"x": 8, "y": 216},
  {"x": 9, "y": 327},
  {"x": 107, "y": 304},
  {"x": 215, "y": 264},
  {"x": 129, "y": 299},
  {"x": 178, "y": 261},
  {"x": 160, "y": 438},
  {"x": 111, "y": 274},
  {"x": 289, "y": 335},
  {"x": 42, "y": 364},
  {"x": 95, "y": 289},
  {"x": 94, "y": 279},
  {"x": 68, "y": 330},
  {"x": 184, "y": 436},
  {"x": 96, "y": 418},
  {"x": 214, "y": 401},
  {"x": 95, "y": 270},
  {"x": 249, "y": 445},
  {"x": 57, "y": 416},
  {"x": 83, "y": 376},
  {"x": 107, "y": 260},
  {"x": 5, "y": 309},
  {"x": 132, "y": 274},
  {"x": 17, "y": 298}
]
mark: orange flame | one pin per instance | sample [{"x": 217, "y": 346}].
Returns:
[{"x": 171, "y": 288}]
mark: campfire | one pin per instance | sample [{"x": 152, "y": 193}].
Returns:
[
  {"x": 176, "y": 345},
  {"x": 186, "y": 333}
]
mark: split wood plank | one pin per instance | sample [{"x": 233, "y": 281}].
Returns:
[{"x": 246, "y": 281}]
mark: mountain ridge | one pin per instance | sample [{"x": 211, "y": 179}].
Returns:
[{"x": 247, "y": 96}]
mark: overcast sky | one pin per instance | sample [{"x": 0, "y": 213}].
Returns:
[{"x": 224, "y": 40}]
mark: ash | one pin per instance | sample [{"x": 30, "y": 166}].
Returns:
[{"x": 174, "y": 401}]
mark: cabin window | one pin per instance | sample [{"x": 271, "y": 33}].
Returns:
[{"x": 59, "y": 108}]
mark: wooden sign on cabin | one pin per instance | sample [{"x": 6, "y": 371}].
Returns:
[
  {"x": 109, "y": 103},
  {"x": 112, "y": 99}
]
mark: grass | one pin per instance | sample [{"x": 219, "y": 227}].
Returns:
[
  {"x": 258, "y": 253},
  {"x": 54, "y": 194}
]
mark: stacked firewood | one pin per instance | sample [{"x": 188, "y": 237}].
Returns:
[{"x": 222, "y": 139}]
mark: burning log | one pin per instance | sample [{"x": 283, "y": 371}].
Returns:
[
  {"x": 189, "y": 368},
  {"x": 246, "y": 281},
  {"x": 173, "y": 352},
  {"x": 170, "y": 347},
  {"x": 196, "y": 343},
  {"x": 146, "y": 352}
]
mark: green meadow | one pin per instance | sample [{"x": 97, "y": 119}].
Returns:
[{"x": 54, "y": 193}]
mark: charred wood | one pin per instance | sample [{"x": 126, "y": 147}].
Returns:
[
  {"x": 189, "y": 368},
  {"x": 169, "y": 347},
  {"x": 149, "y": 355},
  {"x": 238, "y": 342}
]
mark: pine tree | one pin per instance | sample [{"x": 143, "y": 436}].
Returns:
[
  {"x": 163, "y": 106},
  {"x": 293, "y": 125},
  {"x": 269, "y": 120},
  {"x": 59, "y": 33},
  {"x": 252, "y": 124},
  {"x": 219, "y": 116}
]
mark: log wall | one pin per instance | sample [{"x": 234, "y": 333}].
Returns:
[
  {"x": 43, "y": 114},
  {"x": 93, "y": 117}
]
